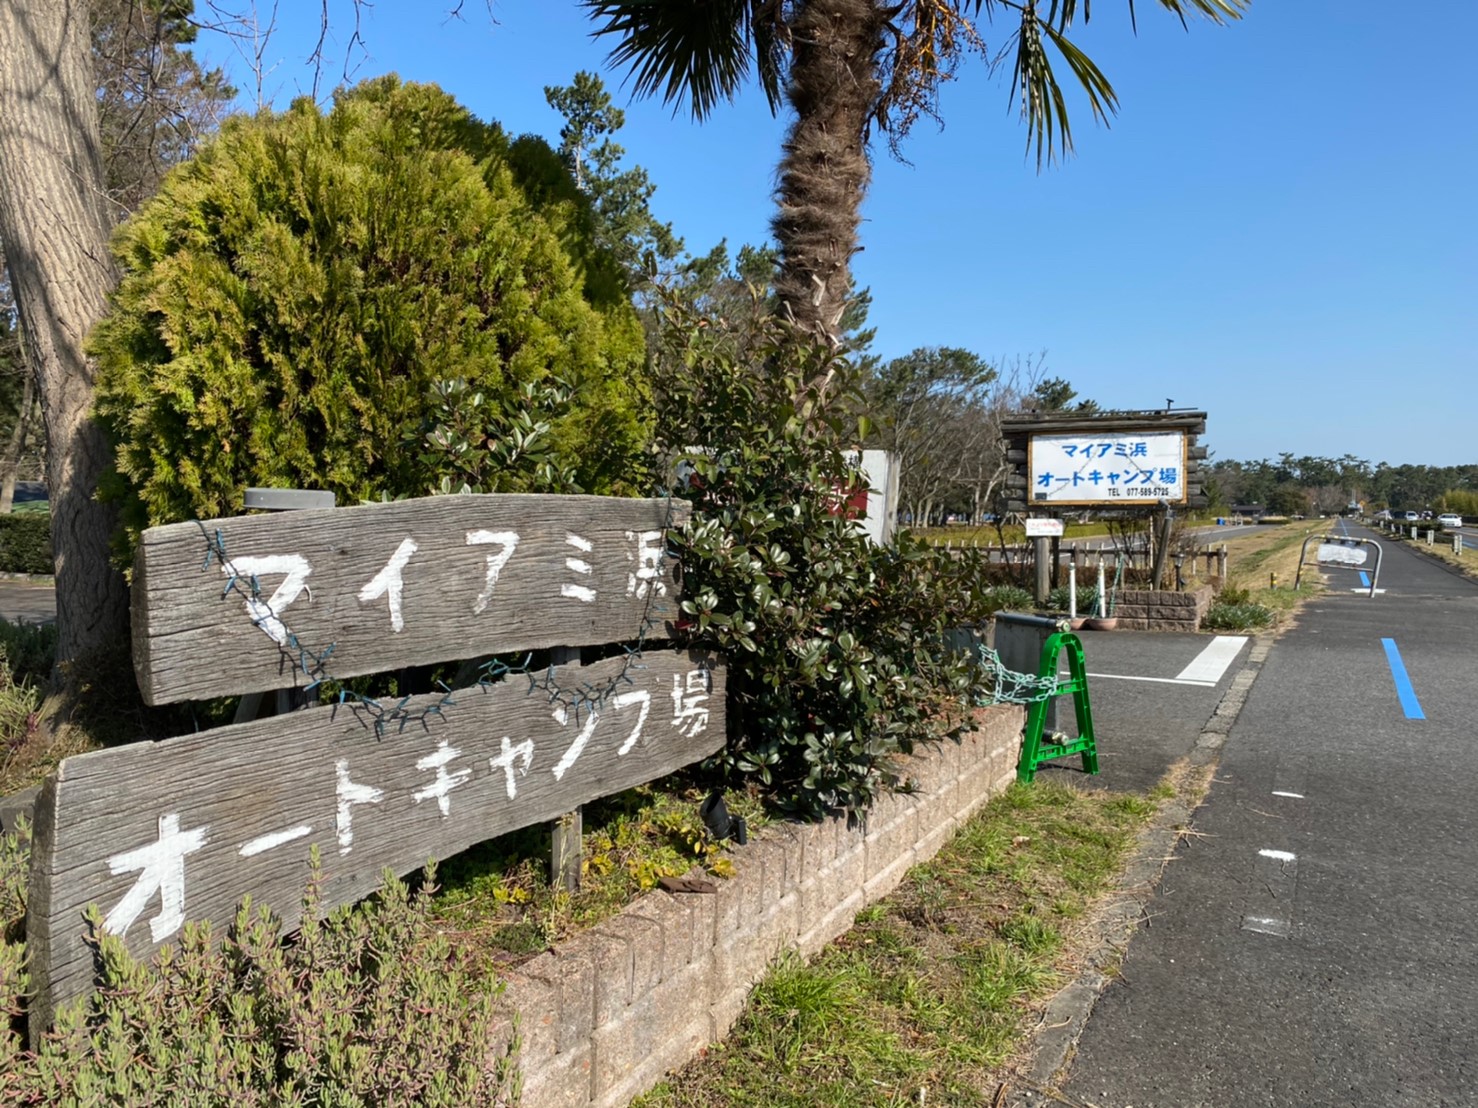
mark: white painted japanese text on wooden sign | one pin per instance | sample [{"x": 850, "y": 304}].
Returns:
[
  {"x": 231, "y": 605},
  {"x": 158, "y": 833}
]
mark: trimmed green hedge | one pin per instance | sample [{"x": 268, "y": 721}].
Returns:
[{"x": 25, "y": 543}]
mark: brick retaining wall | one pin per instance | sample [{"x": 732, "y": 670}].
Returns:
[
  {"x": 1147, "y": 610},
  {"x": 607, "y": 1014}
]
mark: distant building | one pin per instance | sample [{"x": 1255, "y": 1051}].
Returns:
[{"x": 1253, "y": 512}]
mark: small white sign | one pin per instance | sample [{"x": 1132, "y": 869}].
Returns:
[
  {"x": 1340, "y": 554},
  {"x": 1044, "y": 528},
  {"x": 1107, "y": 467}
]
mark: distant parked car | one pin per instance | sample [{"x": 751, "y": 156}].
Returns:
[
  {"x": 1412, "y": 517},
  {"x": 1450, "y": 520}
]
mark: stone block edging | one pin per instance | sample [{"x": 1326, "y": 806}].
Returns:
[{"x": 605, "y": 1016}]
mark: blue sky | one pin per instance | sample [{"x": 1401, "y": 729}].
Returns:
[{"x": 1277, "y": 228}]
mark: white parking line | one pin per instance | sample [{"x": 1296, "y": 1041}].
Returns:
[
  {"x": 1212, "y": 662},
  {"x": 1162, "y": 680},
  {"x": 1204, "y": 672}
]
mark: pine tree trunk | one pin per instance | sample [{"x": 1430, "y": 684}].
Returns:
[
  {"x": 54, "y": 223},
  {"x": 824, "y": 171}
]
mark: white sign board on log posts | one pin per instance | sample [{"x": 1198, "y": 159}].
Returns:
[
  {"x": 1107, "y": 468},
  {"x": 157, "y": 834}
]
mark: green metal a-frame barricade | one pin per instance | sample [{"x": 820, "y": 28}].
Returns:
[{"x": 1035, "y": 749}]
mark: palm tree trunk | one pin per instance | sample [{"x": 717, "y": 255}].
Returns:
[
  {"x": 824, "y": 170},
  {"x": 55, "y": 226}
]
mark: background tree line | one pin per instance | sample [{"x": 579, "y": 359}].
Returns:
[
  {"x": 938, "y": 410},
  {"x": 1303, "y": 485}
]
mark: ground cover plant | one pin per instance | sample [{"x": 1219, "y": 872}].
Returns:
[
  {"x": 370, "y": 1006},
  {"x": 927, "y": 996},
  {"x": 498, "y": 900},
  {"x": 1234, "y": 610},
  {"x": 26, "y": 652}
]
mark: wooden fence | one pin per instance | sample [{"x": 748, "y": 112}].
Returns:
[
  {"x": 159, "y": 833},
  {"x": 1206, "y": 561}
]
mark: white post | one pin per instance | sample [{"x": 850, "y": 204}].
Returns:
[
  {"x": 1430, "y": 535},
  {"x": 1072, "y": 591},
  {"x": 1457, "y": 544},
  {"x": 1102, "y": 598}
]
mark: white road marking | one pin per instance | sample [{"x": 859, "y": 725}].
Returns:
[
  {"x": 1277, "y": 855},
  {"x": 1212, "y": 662},
  {"x": 1160, "y": 680},
  {"x": 1295, "y": 796},
  {"x": 1378, "y": 592},
  {"x": 1267, "y": 925}
]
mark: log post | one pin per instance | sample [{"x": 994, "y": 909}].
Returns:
[{"x": 567, "y": 832}]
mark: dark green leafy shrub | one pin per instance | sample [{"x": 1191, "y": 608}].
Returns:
[
  {"x": 25, "y": 543},
  {"x": 835, "y": 646},
  {"x": 371, "y": 1006},
  {"x": 1087, "y": 599},
  {"x": 1224, "y": 616},
  {"x": 366, "y": 302},
  {"x": 1007, "y": 598},
  {"x": 27, "y": 652}
]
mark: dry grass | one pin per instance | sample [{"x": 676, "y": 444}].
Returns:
[{"x": 1255, "y": 561}]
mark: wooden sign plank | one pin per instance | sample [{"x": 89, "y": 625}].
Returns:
[
  {"x": 159, "y": 833},
  {"x": 252, "y": 603}
]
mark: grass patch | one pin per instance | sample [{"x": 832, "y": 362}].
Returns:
[
  {"x": 925, "y": 999},
  {"x": 1228, "y": 615}
]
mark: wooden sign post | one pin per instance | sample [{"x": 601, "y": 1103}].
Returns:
[{"x": 159, "y": 833}]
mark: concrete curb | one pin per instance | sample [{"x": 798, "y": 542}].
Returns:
[{"x": 1067, "y": 1013}]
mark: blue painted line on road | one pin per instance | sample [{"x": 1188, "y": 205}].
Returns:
[
  {"x": 1407, "y": 695},
  {"x": 1365, "y": 579}
]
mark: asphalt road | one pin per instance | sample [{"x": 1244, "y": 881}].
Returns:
[
  {"x": 1312, "y": 944},
  {"x": 1146, "y": 715},
  {"x": 24, "y": 602}
]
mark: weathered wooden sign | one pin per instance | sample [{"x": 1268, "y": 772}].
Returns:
[
  {"x": 254, "y": 603},
  {"x": 1112, "y": 462},
  {"x": 160, "y": 833}
]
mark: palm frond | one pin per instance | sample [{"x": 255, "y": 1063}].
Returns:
[
  {"x": 695, "y": 53},
  {"x": 1101, "y": 95},
  {"x": 1042, "y": 103},
  {"x": 1218, "y": 11}
]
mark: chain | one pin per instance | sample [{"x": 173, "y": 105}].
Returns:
[
  {"x": 587, "y": 697},
  {"x": 313, "y": 663},
  {"x": 1010, "y": 687}
]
